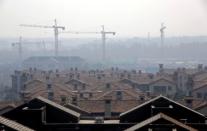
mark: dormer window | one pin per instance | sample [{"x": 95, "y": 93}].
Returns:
[
  {"x": 119, "y": 95},
  {"x": 75, "y": 87}
]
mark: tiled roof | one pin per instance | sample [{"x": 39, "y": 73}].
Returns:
[
  {"x": 156, "y": 98},
  {"x": 59, "y": 106},
  {"x": 98, "y": 106},
  {"x": 157, "y": 117},
  {"x": 14, "y": 125}
]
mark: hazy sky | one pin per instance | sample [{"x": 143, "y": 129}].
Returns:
[{"x": 126, "y": 17}]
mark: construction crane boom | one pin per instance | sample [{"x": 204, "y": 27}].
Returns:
[
  {"x": 56, "y": 32},
  {"x": 40, "y": 26},
  {"x": 103, "y": 35}
]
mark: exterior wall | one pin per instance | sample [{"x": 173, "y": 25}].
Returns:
[
  {"x": 200, "y": 93},
  {"x": 203, "y": 110},
  {"x": 18, "y": 80},
  {"x": 182, "y": 79},
  {"x": 170, "y": 89}
]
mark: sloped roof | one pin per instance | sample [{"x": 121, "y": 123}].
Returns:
[
  {"x": 80, "y": 81},
  {"x": 156, "y": 98},
  {"x": 126, "y": 95},
  {"x": 200, "y": 85},
  {"x": 162, "y": 78},
  {"x": 76, "y": 114},
  {"x": 14, "y": 125},
  {"x": 76, "y": 108},
  {"x": 157, "y": 117},
  {"x": 98, "y": 106}
]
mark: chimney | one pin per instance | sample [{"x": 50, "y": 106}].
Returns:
[
  {"x": 71, "y": 76},
  {"x": 49, "y": 88},
  {"x": 151, "y": 76},
  {"x": 50, "y": 92},
  {"x": 30, "y": 70},
  {"x": 134, "y": 71},
  {"x": 108, "y": 86},
  {"x": 161, "y": 68},
  {"x": 189, "y": 101},
  {"x": 78, "y": 76},
  {"x": 117, "y": 69},
  {"x": 108, "y": 104},
  {"x": 57, "y": 71},
  {"x": 35, "y": 69},
  {"x": 121, "y": 76},
  {"x": 205, "y": 68},
  {"x": 129, "y": 76},
  {"x": 74, "y": 100},
  {"x": 200, "y": 67},
  {"x": 99, "y": 77}
]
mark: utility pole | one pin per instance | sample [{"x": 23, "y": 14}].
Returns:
[{"x": 56, "y": 28}]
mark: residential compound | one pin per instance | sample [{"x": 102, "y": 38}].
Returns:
[
  {"x": 76, "y": 99},
  {"x": 158, "y": 114},
  {"x": 111, "y": 86}
]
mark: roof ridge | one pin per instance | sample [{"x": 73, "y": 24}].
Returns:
[{"x": 58, "y": 106}]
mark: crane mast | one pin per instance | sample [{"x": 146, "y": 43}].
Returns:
[
  {"x": 103, "y": 37},
  {"x": 19, "y": 43}
]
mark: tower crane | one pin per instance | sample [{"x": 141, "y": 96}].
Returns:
[
  {"x": 19, "y": 43},
  {"x": 162, "y": 35},
  {"x": 56, "y": 32},
  {"x": 103, "y": 36}
]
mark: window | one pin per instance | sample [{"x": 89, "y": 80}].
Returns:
[
  {"x": 108, "y": 86},
  {"x": 199, "y": 95},
  {"x": 119, "y": 95},
  {"x": 169, "y": 88},
  {"x": 50, "y": 95},
  {"x": 63, "y": 99},
  {"x": 160, "y": 89},
  {"x": 205, "y": 96}
]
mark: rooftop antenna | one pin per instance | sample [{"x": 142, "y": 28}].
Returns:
[{"x": 56, "y": 32}]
